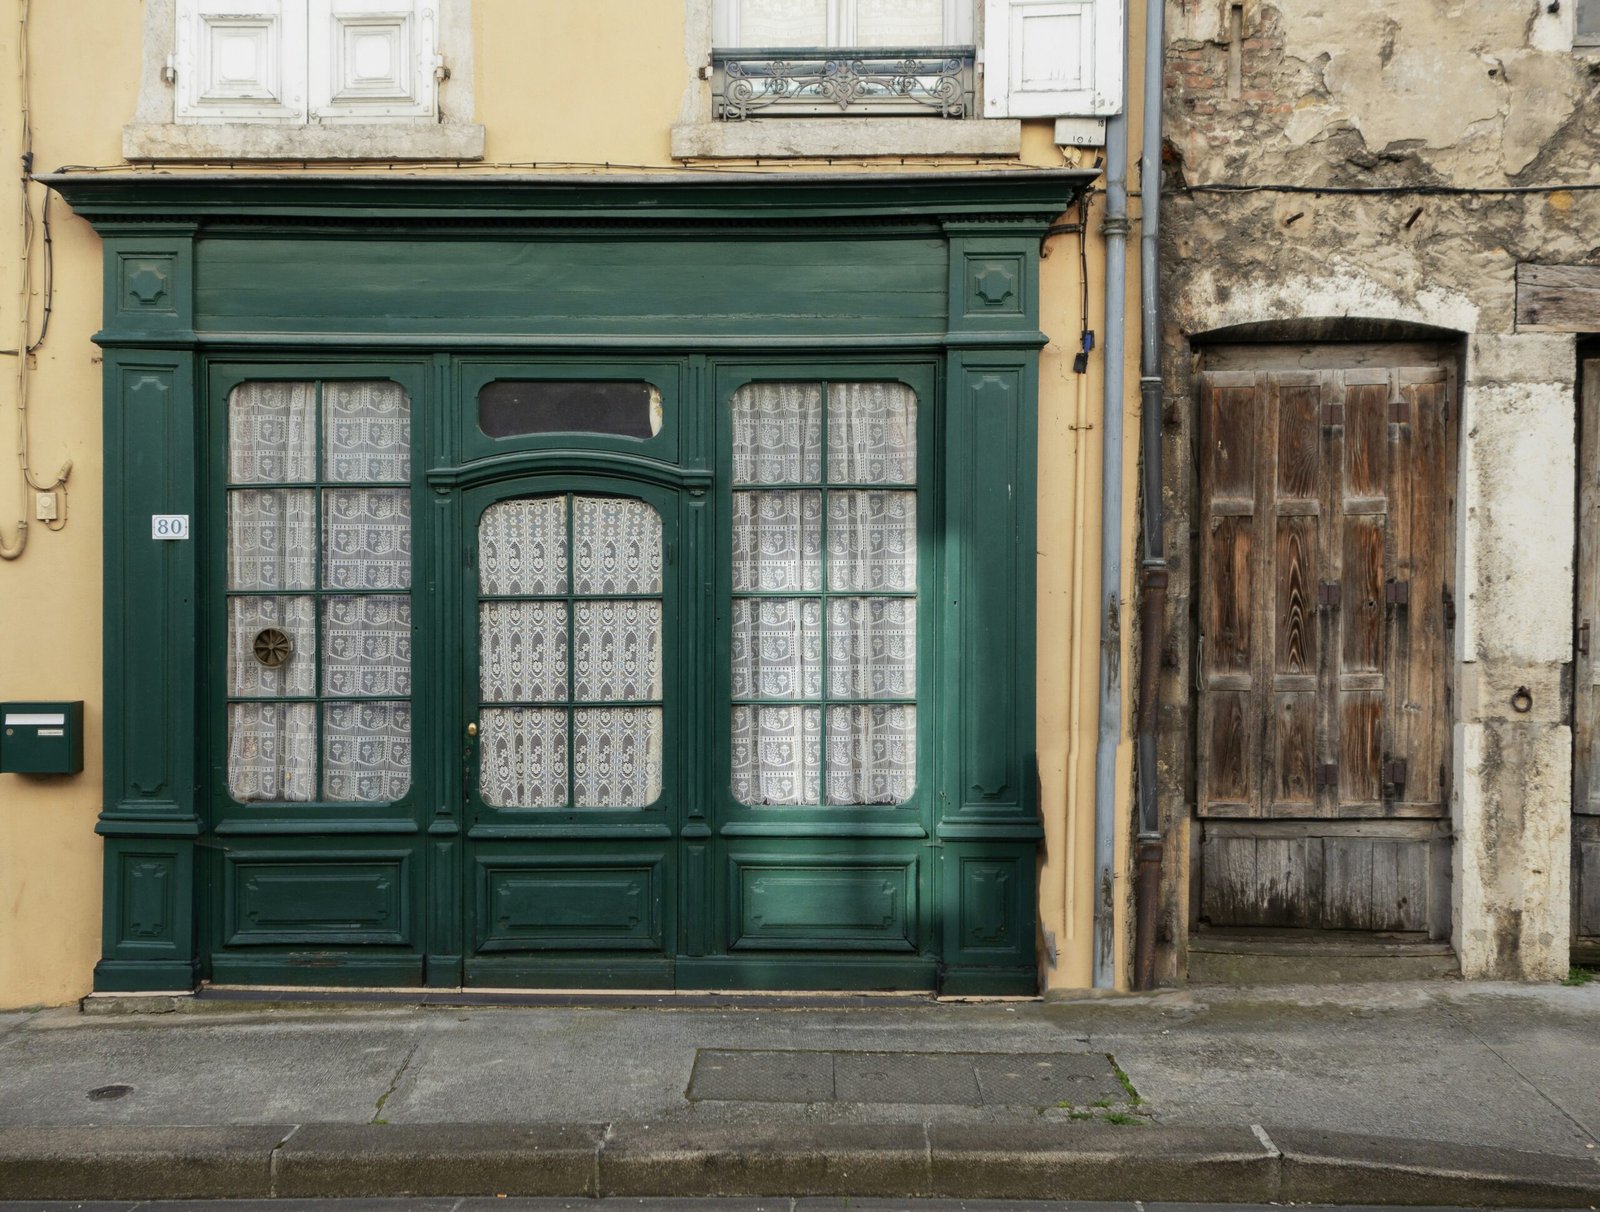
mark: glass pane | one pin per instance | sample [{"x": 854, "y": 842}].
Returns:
[
  {"x": 872, "y": 754},
  {"x": 777, "y": 433},
  {"x": 366, "y": 646},
  {"x": 280, "y": 669},
  {"x": 618, "y": 651},
  {"x": 616, "y": 752},
  {"x": 783, "y": 22},
  {"x": 872, "y": 541},
  {"x": 272, "y": 433},
  {"x": 872, "y": 648},
  {"x": 616, "y": 546},
  {"x": 366, "y": 538},
  {"x": 872, "y": 433},
  {"x": 271, "y": 751},
  {"x": 777, "y": 541},
  {"x": 509, "y": 407},
  {"x": 522, "y": 546},
  {"x": 1589, "y": 21},
  {"x": 366, "y": 751},
  {"x": 522, "y": 757},
  {"x": 272, "y": 538},
  {"x": 366, "y": 432},
  {"x": 899, "y": 23},
  {"x": 777, "y": 753},
  {"x": 777, "y": 648},
  {"x": 522, "y": 652}
]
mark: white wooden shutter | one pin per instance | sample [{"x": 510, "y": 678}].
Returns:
[
  {"x": 1052, "y": 58},
  {"x": 370, "y": 60},
  {"x": 240, "y": 60}
]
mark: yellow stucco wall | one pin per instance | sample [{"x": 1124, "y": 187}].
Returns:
[{"x": 85, "y": 79}]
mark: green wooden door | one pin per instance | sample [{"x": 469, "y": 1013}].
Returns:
[{"x": 572, "y": 726}]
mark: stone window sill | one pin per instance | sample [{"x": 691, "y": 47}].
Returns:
[
  {"x": 810, "y": 137},
  {"x": 335, "y": 141}
]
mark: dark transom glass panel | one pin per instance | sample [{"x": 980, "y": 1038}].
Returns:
[{"x": 510, "y": 408}]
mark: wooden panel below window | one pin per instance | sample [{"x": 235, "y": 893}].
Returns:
[{"x": 1315, "y": 879}]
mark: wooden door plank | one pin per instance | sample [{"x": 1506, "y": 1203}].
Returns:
[
  {"x": 1415, "y": 724},
  {"x": 1228, "y": 731},
  {"x": 1330, "y": 546}
]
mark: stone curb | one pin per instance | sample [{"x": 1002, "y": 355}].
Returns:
[{"x": 1075, "y": 1162}]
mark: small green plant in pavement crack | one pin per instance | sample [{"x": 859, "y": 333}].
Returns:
[
  {"x": 394, "y": 1084},
  {"x": 1578, "y": 976},
  {"x": 1127, "y": 1083}
]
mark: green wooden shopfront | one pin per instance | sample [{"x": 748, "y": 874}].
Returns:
[{"x": 590, "y": 583}]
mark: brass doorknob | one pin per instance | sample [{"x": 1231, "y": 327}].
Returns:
[{"x": 472, "y": 729}]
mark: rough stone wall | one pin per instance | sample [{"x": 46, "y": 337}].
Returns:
[{"x": 1436, "y": 101}]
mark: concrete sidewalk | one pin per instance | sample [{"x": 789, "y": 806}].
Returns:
[{"x": 1415, "y": 1093}]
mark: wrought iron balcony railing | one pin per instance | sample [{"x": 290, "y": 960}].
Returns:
[{"x": 932, "y": 81}]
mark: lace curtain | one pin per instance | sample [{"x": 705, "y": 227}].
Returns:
[
  {"x": 831, "y": 643},
  {"x": 596, "y": 658},
  {"x": 337, "y": 592}
]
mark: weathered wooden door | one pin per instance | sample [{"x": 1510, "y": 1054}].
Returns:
[
  {"x": 1586, "y": 700},
  {"x": 1324, "y": 605}
]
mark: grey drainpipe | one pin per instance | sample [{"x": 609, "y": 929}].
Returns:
[
  {"x": 1115, "y": 230},
  {"x": 1153, "y": 600}
]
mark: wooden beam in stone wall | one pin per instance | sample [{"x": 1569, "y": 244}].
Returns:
[{"x": 1558, "y": 298}]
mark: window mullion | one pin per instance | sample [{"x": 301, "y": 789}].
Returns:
[
  {"x": 572, "y": 656},
  {"x": 318, "y": 600},
  {"x": 822, "y": 712}
]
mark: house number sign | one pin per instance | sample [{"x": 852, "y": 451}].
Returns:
[{"x": 169, "y": 526}]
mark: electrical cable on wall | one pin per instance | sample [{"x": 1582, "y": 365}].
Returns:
[{"x": 26, "y": 347}]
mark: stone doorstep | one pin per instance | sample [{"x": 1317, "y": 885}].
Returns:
[{"x": 1087, "y": 1162}]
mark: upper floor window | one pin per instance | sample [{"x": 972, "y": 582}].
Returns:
[
  {"x": 1042, "y": 58},
  {"x": 796, "y": 57},
  {"x": 305, "y": 60},
  {"x": 841, "y": 23}
]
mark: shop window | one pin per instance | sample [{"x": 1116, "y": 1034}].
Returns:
[
  {"x": 824, "y": 578},
  {"x": 319, "y": 592}
]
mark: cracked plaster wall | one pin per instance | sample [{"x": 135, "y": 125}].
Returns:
[{"x": 1486, "y": 93}]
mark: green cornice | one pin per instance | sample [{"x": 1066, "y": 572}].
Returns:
[{"x": 1009, "y": 199}]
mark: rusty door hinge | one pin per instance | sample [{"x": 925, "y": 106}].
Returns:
[
  {"x": 1333, "y": 414},
  {"x": 1583, "y": 638},
  {"x": 1394, "y": 776},
  {"x": 1397, "y": 593},
  {"x": 1328, "y": 774},
  {"x": 1449, "y": 609},
  {"x": 1399, "y": 412},
  {"x": 1329, "y": 593}
]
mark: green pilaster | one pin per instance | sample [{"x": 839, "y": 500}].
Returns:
[
  {"x": 149, "y": 817},
  {"x": 989, "y": 822}
]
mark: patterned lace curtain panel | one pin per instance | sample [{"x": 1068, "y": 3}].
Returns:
[
  {"x": 277, "y": 561},
  {"x": 614, "y": 662},
  {"x": 791, "y": 538}
]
